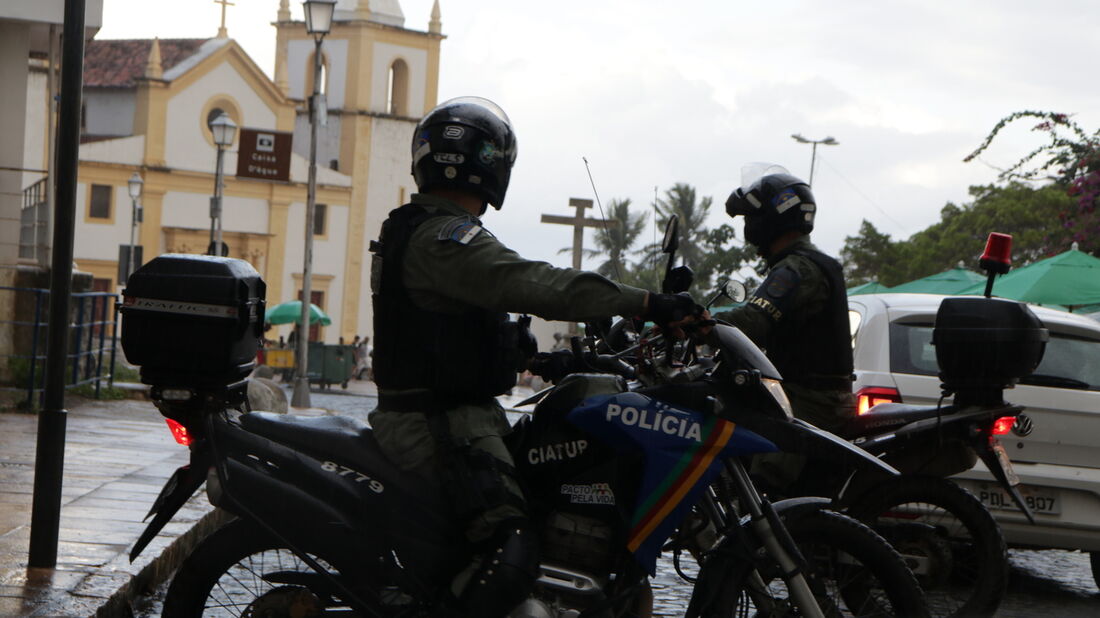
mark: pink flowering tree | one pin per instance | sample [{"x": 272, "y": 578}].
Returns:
[{"x": 1071, "y": 159}]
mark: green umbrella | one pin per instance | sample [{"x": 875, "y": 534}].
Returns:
[
  {"x": 952, "y": 281},
  {"x": 1071, "y": 279},
  {"x": 871, "y": 287},
  {"x": 290, "y": 312}
]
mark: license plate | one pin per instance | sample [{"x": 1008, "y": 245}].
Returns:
[{"x": 995, "y": 498}]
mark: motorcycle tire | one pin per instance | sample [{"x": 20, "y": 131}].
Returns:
[
  {"x": 948, "y": 537},
  {"x": 853, "y": 572},
  {"x": 224, "y": 576}
]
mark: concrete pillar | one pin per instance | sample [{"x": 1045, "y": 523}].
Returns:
[{"x": 14, "y": 51}]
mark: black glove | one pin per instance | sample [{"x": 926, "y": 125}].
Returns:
[
  {"x": 665, "y": 309},
  {"x": 552, "y": 366}
]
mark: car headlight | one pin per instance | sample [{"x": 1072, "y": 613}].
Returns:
[{"x": 775, "y": 388}]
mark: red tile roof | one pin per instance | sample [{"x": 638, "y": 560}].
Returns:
[{"x": 115, "y": 63}]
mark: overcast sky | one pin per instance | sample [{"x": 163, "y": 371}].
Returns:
[{"x": 655, "y": 93}]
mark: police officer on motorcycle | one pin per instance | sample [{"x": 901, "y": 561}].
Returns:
[
  {"x": 444, "y": 346},
  {"x": 799, "y": 314}
]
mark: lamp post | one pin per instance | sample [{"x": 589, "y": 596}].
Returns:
[
  {"x": 134, "y": 186},
  {"x": 318, "y": 15},
  {"x": 224, "y": 130},
  {"x": 828, "y": 141}
]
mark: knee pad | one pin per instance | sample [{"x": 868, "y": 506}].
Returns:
[{"x": 506, "y": 574}]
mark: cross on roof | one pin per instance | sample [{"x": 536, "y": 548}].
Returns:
[{"x": 222, "y": 32}]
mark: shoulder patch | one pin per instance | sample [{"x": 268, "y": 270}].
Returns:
[
  {"x": 776, "y": 293},
  {"x": 461, "y": 230}
]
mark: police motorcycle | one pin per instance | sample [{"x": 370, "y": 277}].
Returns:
[
  {"x": 322, "y": 523},
  {"x": 947, "y": 536}
]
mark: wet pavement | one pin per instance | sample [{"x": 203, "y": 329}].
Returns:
[{"x": 118, "y": 455}]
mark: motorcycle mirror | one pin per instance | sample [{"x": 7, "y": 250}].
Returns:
[
  {"x": 735, "y": 290},
  {"x": 671, "y": 241},
  {"x": 679, "y": 279}
]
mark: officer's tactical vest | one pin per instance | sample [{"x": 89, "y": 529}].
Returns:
[
  {"x": 462, "y": 358},
  {"x": 817, "y": 352}
]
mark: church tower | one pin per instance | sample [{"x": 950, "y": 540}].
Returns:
[{"x": 379, "y": 78}]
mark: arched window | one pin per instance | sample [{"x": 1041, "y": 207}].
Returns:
[
  {"x": 324, "y": 76},
  {"x": 397, "y": 93}
]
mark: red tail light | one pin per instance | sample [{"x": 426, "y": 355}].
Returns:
[
  {"x": 1003, "y": 425},
  {"x": 179, "y": 432},
  {"x": 871, "y": 396}
]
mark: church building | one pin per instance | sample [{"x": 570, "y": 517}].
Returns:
[{"x": 147, "y": 108}]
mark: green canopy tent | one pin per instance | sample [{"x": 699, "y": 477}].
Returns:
[
  {"x": 952, "y": 281},
  {"x": 871, "y": 287},
  {"x": 290, "y": 312},
  {"x": 1071, "y": 279}
]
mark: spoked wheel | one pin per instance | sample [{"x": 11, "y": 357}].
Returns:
[
  {"x": 853, "y": 572},
  {"x": 946, "y": 536},
  {"x": 241, "y": 571}
]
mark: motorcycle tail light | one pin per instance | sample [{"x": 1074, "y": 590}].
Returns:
[
  {"x": 179, "y": 432},
  {"x": 1003, "y": 425},
  {"x": 870, "y": 396}
]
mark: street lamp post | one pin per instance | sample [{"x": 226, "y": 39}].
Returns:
[
  {"x": 828, "y": 141},
  {"x": 318, "y": 15},
  {"x": 134, "y": 186},
  {"x": 224, "y": 130}
]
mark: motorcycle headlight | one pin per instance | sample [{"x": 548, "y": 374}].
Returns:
[{"x": 775, "y": 388}]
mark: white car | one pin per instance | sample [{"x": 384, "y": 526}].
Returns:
[{"x": 1054, "y": 446}]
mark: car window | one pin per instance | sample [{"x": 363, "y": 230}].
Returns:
[
  {"x": 911, "y": 349},
  {"x": 1071, "y": 358}
]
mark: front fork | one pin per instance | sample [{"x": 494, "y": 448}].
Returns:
[{"x": 777, "y": 542}]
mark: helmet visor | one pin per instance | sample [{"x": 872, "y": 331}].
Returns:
[
  {"x": 491, "y": 107},
  {"x": 752, "y": 172}
]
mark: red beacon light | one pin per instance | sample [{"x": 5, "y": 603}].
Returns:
[
  {"x": 1003, "y": 425},
  {"x": 179, "y": 432},
  {"x": 997, "y": 258}
]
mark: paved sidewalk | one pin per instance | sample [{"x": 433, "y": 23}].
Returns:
[{"x": 118, "y": 456}]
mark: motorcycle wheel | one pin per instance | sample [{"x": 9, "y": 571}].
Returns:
[
  {"x": 240, "y": 570},
  {"x": 853, "y": 572},
  {"x": 948, "y": 538}
]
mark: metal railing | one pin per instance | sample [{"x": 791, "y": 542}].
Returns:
[
  {"x": 93, "y": 330},
  {"x": 34, "y": 223}
]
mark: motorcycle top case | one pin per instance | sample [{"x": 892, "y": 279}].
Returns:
[
  {"x": 986, "y": 342},
  {"x": 193, "y": 320}
]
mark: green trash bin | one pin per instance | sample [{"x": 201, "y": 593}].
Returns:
[{"x": 330, "y": 364}]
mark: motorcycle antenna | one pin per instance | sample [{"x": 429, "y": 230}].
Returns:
[
  {"x": 603, "y": 217},
  {"x": 655, "y": 257}
]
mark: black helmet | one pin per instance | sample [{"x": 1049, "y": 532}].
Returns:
[
  {"x": 465, "y": 143},
  {"x": 773, "y": 204}
]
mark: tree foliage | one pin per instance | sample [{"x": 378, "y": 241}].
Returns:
[
  {"x": 1071, "y": 159},
  {"x": 712, "y": 253},
  {"x": 1028, "y": 214}
]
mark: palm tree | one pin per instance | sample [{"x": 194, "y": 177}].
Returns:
[
  {"x": 681, "y": 201},
  {"x": 614, "y": 241}
]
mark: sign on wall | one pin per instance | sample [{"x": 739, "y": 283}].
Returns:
[{"x": 264, "y": 154}]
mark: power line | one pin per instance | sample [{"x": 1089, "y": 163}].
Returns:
[{"x": 864, "y": 196}]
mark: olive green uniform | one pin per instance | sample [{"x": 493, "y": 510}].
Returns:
[
  {"x": 451, "y": 265},
  {"x": 827, "y": 408}
]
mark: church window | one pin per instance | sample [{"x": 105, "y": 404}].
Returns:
[
  {"x": 100, "y": 206},
  {"x": 324, "y": 75},
  {"x": 397, "y": 93},
  {"x": 319, "y": 212}
]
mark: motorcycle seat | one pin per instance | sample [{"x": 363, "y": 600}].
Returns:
[
  {"x": 351, "y": 438},
  {"x": 886, "y": 417}
]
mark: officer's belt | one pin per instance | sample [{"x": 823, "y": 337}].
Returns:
[
  {"x": 428, "y": 402},
  {"x": 823, "y": 383}
]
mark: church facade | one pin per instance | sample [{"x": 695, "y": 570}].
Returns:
[{"x": 147, "y": 108}]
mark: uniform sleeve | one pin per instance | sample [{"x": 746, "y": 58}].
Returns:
[
  {"x": 483, "y": 272},
  {"x": 794, "y": 288}
]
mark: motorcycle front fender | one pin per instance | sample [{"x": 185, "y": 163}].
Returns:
[{"x": 183, "y": 484}]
